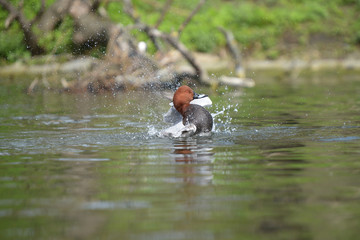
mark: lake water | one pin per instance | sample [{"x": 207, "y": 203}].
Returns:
[{"x": 283, "y": 163}]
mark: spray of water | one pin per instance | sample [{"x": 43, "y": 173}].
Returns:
[
  {"x": 222, "y": 113},
  {"x": 223, "y": 119}
]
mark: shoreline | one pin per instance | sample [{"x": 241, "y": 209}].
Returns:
[{"x": 209, "y": 62}]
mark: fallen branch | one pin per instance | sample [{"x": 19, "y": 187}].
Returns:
[
  {"x": 237, "y": 82},
  {"x": 200, "y": 73}
]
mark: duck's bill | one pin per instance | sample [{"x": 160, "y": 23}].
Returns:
[{"x": 199, "y": 96}]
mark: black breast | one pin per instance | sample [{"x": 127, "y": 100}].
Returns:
[{"x": 198, "y": 116}]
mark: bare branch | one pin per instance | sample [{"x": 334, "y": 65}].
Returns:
[
  {"x": 200, "y": 73},
  {"x": 186, "y": 54},
  {"x": 9, "y": 20},
  {"x": 234, "y": 51},
  {"x": 155, "y": 42},
  {"x": 163, "y": 12},
  {"x": 39, "y": 13},
  {"x": 192, "y": 14},
  {"x": 29, "y": 37},
  {"x": 129, "y": 10},
  {"x": 54, "y": 15}
]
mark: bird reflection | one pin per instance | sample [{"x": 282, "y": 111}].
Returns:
[
  {"x": 194, "y": 150},
  {"x": 198, "y": 156}
]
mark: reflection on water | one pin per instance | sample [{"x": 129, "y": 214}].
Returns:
[
  {"x": 193, "y": 150},
  {"x": 282, "y": 164},
  {"x": 196, "y": 157}
]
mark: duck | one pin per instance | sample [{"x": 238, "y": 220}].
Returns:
[{"x": 188, "y": 114}]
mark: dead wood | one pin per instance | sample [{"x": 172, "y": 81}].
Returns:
[
  {"x": 124, "y": 65},
  {"x": 234, "y": 51}
]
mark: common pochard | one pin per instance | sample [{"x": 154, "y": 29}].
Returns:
[{"x": 188, "y": 114}]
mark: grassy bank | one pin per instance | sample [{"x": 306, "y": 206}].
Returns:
[{"x": 264, "y": 29}]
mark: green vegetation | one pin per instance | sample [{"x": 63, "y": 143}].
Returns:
[{"x": 263, "y": 28}]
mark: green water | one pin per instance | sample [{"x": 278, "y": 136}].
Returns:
[{"x": 283, "y": 163}]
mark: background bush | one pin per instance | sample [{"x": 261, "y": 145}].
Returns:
[{"x": 263, "y": 28}]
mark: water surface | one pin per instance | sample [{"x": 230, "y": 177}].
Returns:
[{"x": 283, "y": 163}]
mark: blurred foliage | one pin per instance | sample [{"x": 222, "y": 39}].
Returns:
[
  {"x": 59, "y": 41},
  {"x": 263, "y": 28}
]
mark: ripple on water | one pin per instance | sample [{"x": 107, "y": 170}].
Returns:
[
  {"x": 341, "y": 139},
  {"x": 105, "y": 205},
  {"x": 82, "y": 159}
]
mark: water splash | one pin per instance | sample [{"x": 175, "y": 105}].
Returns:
[
  {"x": 223, "y": 119},
  {"x": 153, "y": 131}
]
